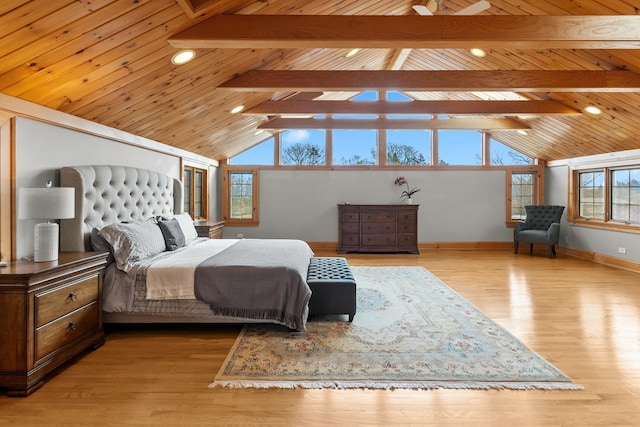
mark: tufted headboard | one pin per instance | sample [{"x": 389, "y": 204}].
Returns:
[{"x": 110, "y": 194}]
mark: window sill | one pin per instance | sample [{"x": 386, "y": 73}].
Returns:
[
  {"x": 610, "y": 226},
  {"x": 240, "y": 223}
]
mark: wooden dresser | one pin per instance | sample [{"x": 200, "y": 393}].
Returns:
[
  {"x": 210, "y": 229},
  {"x": 49, "y": 312},
  {"x": 378, "y": 228}
]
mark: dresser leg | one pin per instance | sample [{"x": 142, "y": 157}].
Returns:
[
  {"x": 97, "y": 343},
  {"x": 24, "y": 391}
]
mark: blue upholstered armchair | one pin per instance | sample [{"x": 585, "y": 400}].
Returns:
[{"x": 541, "y": 226}]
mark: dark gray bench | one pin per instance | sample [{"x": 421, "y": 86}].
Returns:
[{"x": 333, "y": 287}]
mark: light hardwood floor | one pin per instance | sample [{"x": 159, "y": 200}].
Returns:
[{"x": 582, "y": 317}]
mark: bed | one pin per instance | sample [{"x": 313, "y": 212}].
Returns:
[{"x": 160, "y": 271}]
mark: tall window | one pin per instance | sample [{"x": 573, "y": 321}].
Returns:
[
  {"x": 240, "y": 196},
  {"x": 195, "y": 192},
  {"x": 524, "y": 187},
  {"x": 625, "y": 195},
  {"x": 591, "y": 194}
]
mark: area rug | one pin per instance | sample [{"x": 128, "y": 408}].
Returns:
[{"x": 411, "y": 331}]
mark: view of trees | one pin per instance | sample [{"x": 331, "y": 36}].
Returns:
[{"x": 300, "y": 153}]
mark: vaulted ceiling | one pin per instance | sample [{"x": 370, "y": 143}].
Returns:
[{"x": 109, "y": 61}]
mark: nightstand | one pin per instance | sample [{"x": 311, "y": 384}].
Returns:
[
  {"x": 49, "y": 313},
  {"x": 210, "y": 229}
]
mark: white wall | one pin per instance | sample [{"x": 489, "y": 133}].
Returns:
[
  {"x": 455, "y": 206},
  {"x": 42, "y": 149}
]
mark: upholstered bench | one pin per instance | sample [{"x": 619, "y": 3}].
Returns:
[{"x": 333, "y": 287}]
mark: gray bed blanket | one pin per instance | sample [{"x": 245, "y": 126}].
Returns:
[{"x": 258, "y": 279}]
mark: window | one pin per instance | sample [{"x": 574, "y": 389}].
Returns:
[
  {"x": 625, "y": 195},
  {"x": 195, "y": 192},
  {"x": 408, "y": 147},
  {"x": 524, "y": 187},
  {"x": 503, "y": 155},
  {"x": 261, "y": 154},
  {"x": 591, "y": 195},
  {"x": 607, "y": 197},
  {"x": 240, "y": 196},
  {"x": 303, "y": 147},
  {"x": 459, "y": 147},
  {"x": 355, "y": 147}
]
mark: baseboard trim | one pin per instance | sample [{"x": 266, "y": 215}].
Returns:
[
  {"x": 609, "y": 261},
  {"x": 451, "y": 246},
  {"x": 466, "y": 246}
]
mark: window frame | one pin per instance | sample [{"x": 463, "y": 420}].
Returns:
[
  {"x": 573, "y": 211},
  {"x": 538, "y": 188},
  {"x": 227, "y": 170},
  {"x": 204, "y": 191}
]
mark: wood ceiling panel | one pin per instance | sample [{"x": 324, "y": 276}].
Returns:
[{"x": 108, "y": 61}]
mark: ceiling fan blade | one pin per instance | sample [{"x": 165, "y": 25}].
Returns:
[
  {"x": 422, "y": 10},
  {"x": 474, "y": 8}
]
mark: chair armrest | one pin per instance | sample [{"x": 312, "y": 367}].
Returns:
[
  {"x": 519, "y": 227},
  {"x": 553, "y": 233}
]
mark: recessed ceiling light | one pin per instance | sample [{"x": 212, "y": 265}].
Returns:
[
  {"x": 237, "y": 109},
  {"x": 183, "y": 57},
  {"x": 592, "y": 109},
  {"x": 522, "y": 132},
  {"x": 352, "y": 52},
  {"x": 478, "y": 52}
]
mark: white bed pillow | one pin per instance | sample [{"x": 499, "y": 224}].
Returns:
[
  {"x": 186, "y": 224},
  {"x": 133, "y": 241}
]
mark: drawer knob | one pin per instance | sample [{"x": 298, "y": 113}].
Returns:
[
  {"x": 73, "y": 296},
  {"x": 73, "y": 326}
]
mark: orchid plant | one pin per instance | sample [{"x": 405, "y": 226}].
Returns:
[{"x": 406, "y": 194}]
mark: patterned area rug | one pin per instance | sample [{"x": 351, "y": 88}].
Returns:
[{"x": 410, "y": 331}]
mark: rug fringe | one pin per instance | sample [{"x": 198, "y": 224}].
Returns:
[{"x": 409, "y": 385}]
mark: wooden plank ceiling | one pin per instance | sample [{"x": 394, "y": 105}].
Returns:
[{"x": 109, "y": 61}]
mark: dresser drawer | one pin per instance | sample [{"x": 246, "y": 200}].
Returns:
[
  {"x": 407, "y": 239},
  {"x": 379, "y": 217},
  {"x": 349, "y": 239},
  {"x": 379, "y": 239},
  {"x": 406, "y": 227},
  {"x": 66, "y": 329},
  {"x": 350, "y": 227},
  {"x": 408, "y": 217},
  {"x": 350, "y": 217},
  {"x": 53, "y": 304},
  {"x": 379, "y": 227}
]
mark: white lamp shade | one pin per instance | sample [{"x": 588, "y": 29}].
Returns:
[{"x": 46, "y": 203}]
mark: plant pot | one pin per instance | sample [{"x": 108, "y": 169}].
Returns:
[{"x": 408, "y": 201}]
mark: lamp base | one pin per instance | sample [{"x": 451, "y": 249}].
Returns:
[{"x": 45, "y": 242}]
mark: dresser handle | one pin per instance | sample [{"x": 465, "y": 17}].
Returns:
[
  {"x": 73, "y": 296},
  {"x": 72, "y": 326}
]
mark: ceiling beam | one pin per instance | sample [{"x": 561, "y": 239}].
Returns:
[
  {"x": 458, "y": 124},
  {"x": 444, "y": 81},
  {"x": 412, "y": 31},
  {"x": 476, "y": 108}
]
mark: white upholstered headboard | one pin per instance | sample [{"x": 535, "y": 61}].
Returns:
[{"x": 110, "y": 194}]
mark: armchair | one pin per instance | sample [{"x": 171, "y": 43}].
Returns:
[{"x": 541, "y": 226}]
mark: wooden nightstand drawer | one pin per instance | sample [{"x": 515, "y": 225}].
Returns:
[
  {"x": 53, "y": 304},
  {"x": 66, "y": 329}
]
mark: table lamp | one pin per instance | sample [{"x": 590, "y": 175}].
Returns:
[{"x": 49, "y": 203}]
